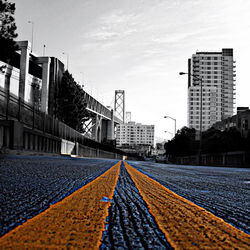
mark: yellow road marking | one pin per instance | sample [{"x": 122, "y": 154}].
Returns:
[
  {"x": 185, "y": 224},
  {"x": 78, "y": 221}
]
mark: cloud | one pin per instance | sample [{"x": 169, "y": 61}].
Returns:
[{"x": 113, "y": 26}]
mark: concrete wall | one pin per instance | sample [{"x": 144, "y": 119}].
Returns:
[
  {"x": 94, "y": 152},
  {"x": 67, "y": 147},
  {"x": 230, "y": 159},
  {"x": 9, "y": 79},
  {"x": 16, "y": 136}
]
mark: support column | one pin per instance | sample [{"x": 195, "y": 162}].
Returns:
[
  {"x": 104, "y": 130},
  {"x": 16, "y": 135},
  {"x": 111, "y": 127},
  {"x": 97, "y": 129},
  {"x": 25, "y": 48},
  {"x": 45, "y": 61}
]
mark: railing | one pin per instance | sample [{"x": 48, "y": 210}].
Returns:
[{"x": 96, "y": 106}]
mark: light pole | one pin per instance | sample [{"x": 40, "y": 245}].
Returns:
[
  {"x": 44, "y": 48},
  {"x": 32, "y": 34},
  {"x": 201, "y": 83},
  {"x": 67, "y": 59},
  {"x": 173, "y": 120}
]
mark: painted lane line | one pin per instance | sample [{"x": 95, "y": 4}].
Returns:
[
  {"x": 78, "y": 221},
  {"x": 185, "y": 224}
]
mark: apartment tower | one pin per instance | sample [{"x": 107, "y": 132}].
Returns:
[{"x": 217, "y": 71}]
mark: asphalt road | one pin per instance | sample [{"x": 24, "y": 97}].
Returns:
[
  {"x": 223, "y": 191},
  {"x": 30, "y": 184},
  {"x": 130, "y": 225}
]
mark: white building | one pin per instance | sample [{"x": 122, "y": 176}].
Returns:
[
  {"x": 132, "y": 133},
  {"x": 217, "y": 71}
]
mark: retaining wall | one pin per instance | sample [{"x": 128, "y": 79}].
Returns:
[
  {"x": 14, "y": 135},
  {"x": 229, "y": 159}
]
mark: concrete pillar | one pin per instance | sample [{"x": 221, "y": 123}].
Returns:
[
  {"x": 77, "y": 148},
  {"x": 97, "y": 129},
  {"x": 111, "y": 127},
  {"x": 16, "y": 135},
  {"x": 25, "y": 48},
  {"x": 45, "y": 61},
  {"x": 104, "y": 130}
]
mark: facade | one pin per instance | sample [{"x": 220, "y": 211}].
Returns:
[
  {"x": 217, "y": 71},
  {"x": 131, "y": 134},
  {"x": 240, "y": 121}
]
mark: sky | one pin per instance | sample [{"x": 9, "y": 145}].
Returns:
[{"x": 139, "y": 46}]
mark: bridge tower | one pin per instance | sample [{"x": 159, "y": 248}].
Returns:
[
  {"x": 128, "y": 117},
  {"x": 119, "y": 105}
]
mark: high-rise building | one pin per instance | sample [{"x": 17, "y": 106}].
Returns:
[
  {"x": 132, "y": 133},
  {"x": 217, "y": 71}
]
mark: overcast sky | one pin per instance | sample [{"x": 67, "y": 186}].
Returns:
[{"x": 139, "y": 46}]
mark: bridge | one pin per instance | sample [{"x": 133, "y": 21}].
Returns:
[{"x": 26, "y": 70}]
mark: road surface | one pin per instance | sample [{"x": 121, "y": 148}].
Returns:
[
  {"x": 223, "y": 191},
  {"x": 99, "y": 203}
]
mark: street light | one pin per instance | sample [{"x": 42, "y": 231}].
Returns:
[
  {"x": 201, "y": 83},
  {"x": 32, "y": 34},
  {"x": 44, "y": 48},
  {"x": 173, "y": 120},
  {"x": 67, "y": 59}
]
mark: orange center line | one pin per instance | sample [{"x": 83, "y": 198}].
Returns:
[
  {"x": 78, "y": 221},
  {"x": 185, "y": 224}
]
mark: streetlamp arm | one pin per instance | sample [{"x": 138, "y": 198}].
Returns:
[
  {"x": 194, "y": 76},
  {"x": 170, "y": 117}
]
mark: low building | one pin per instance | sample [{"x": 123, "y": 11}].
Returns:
[
  {"x": 240, "y": 121},
  {"x": 132, "y": 134}
]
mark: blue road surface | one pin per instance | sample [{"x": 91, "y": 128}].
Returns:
[
  {"x": 29, "y": 184},
  {"x": 223, "y": 191}
]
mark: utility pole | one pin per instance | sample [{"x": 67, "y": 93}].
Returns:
[{"x": 32, "y": 34}]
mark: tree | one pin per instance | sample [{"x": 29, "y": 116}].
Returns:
[
  {"x": 71, "y": 104},
  {"x": 248, "y": 141},
  {"x": 216, "y": 141},
  {"x": 183, "y": 143},
  {"x": 213, "y": 141},
  {"x": 7, "y": 30}
]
